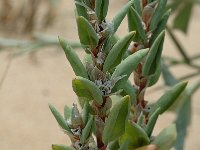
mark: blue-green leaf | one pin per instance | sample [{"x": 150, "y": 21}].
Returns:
[
  {"x": 135, "y": 24},
  {"x": 169, "y": 97},
  {"x": 101, "y": 8},
  {"x": 61, "y": 121},
  {"x": 160, "y": 9},
  {"x": 117, "y": 52},
  {"x": 154, "y": 56},
  {"x": 115, "y": 123},
  {"x": 73, "y": 59},
  {"x": 86, "y": 88},
  {"x": 166, "y": 139},
  {"x": 127, "y": 66},
  {"x": 134, "y": 135},
  {"x": 62, "y": 147},
  {"x": 121, "y": 15},
  {"x": 87, "y": 35}
]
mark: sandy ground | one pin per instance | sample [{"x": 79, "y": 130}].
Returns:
[{"x": 33, "y": 82}]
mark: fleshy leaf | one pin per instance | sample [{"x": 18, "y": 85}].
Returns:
[
  {"x": 115, "y": 123},
  {"x": 116, "y": 53},
  {"x": 121, "y": 15},
  {"x": 135, "y": 135},
  {"x": 152, "y": 121},
  {"x": 166, "y": 139},
  {"x": 62, "y": 147},
  {"x": 154, "y": 56},
  {"x": 86, "y": 32},
  {"x": 101, "y": 8},
  {"x": 127, "y": 66},
  {"x": 161, "y": 26},
  {"x": 169, "y": 97},
  {"x": 87, "y": 130},
  {"x": 135, "y": 24},
  {"x": 81, "y": 11},
  {"x": 158, "y": 14},
  {"x": 61, "y": 121},
  {"x": 86, "y": 88},
  {"x": 73, "y": 59},
  {"x": 67, "y": 112}
]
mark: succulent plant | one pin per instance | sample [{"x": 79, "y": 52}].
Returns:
[{"x": 115, "y": 113}]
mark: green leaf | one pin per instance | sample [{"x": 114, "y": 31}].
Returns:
[
  {"x": 127, "y": 66},
  {"x": 154, "y": 56},
  {"x": 152, "y": 121},
  {"x": 101, "y": 8},
  {"x": 86, "y": 32},
  {"x": 160, "y": 9},
  {"x": 166, "y": 138},
  {"x": 182, "y": 122},
  {"x": 61, "y": 121},
  {"x": 135, "y": 135},
  {"x": 161, "y": 26},
  {"x": 62, "y": 147},
  {"x": 135, "y": 24},
  {"x": 74, "y": 60},
  {"x": 81, "y": 11},
  {"x": 86, "y": 88},
  {"x": 113, "y": 145},
  {"x": 86, "y": 132},
  {"x": 121, "y": 15},
  {"x": 182, "y": 19},
  {"x": 117, "y": 52},
  {"x": 153, "y": 79},
  {"x": 86, "y": 112},
  {"x": 169, "y": 97},
  {"x": 137, "y": 6},
  {"x": 67, "y": 112},
  {"x": 115, "y": 123}
]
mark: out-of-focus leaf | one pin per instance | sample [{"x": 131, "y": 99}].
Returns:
[
  {"x": 135, "y": 135},
  {"x": 158, "y": 13},
  {"x": 182, "y": 19},
  {"x": 115, "y": 123},
  {"x": 182, "y": 123},
  {"x": 153, "y": 58},
  {"x": 121, "y": 15},
  {"x": 86, "y": 132},
  {"x": 183, "y": 109},
  {"x": 74, "y": 60},
  {"x": 113, "y": 145},
  {"x": 168, "y": 77},
  {"x": 148, "y": 147},
  {"x": 169, "y": 98},
  {"x": 101, "y": 8},
  {"x": 86, "y": 32},
  {"x": 86, "y": 88},
  {"x": 127, "y": 66},
  {"x": 62, "y": 147},
  {"x": 61, "y": 121},
  {"x": 152, "y": 121},
  {"x": 135, "y": 24},
  {"x": 166, "y": 139},
  {"x": 116, "y": 53}
]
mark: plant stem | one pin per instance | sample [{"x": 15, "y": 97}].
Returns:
[{"x": 178, "y": 45}]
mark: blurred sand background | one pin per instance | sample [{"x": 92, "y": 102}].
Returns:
[{"x": 32, "y": 82}]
